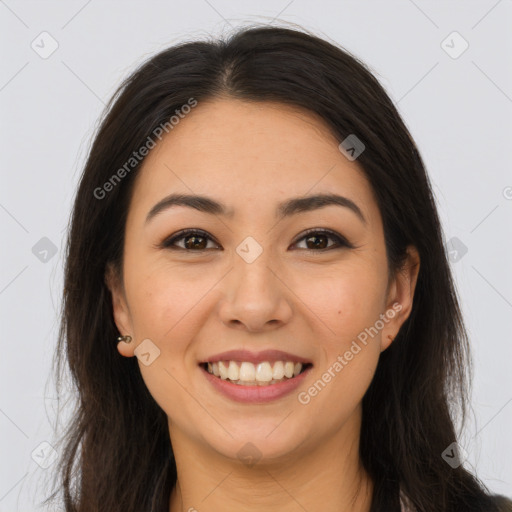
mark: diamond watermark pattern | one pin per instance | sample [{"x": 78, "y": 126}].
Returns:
[
  {"x": 249, "y": 454},
  {"x": 44, "y": 45},
  {"x": 456, "y": 249},
  {"x": 351, "y": 147},
  {"x": 147, "y": 352},
  {"x": 249, "y": 249},
  {"x": 454, "y": 45},
  {"x": 44, "y": 250},
  {"x": 454, "y": 455},
  {"x": 44, "y": 455}
]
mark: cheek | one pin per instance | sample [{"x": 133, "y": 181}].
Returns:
[
  {"x": 162, "y": 301},
  {"x": 349, "y": 305},
  {"x": 345, "y": 301},
  {"x": 340, "y": 387},
  {"x": 165, "y": 306}
]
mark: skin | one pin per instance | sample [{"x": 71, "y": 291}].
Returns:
[{"x": 191, "y": 305}]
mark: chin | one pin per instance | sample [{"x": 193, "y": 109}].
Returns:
[{"x": 261, "y": 445}]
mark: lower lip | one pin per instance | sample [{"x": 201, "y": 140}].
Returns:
[{"x": 255, "y": 394}]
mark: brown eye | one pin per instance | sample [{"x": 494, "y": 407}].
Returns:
[
  {"x": 318, "y": 240},
  {"x": 193, "y": 240}
]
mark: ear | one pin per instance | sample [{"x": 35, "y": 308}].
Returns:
[
  {"x": 122, "y": 317},
  {"x": 400, "y": 296}
]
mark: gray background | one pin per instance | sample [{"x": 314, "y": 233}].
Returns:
[{"x": 458, "y": 110}]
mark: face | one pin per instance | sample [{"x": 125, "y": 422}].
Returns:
[{"x": 303, "y": 284}]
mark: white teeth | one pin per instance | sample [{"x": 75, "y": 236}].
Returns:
[
  {"x": 278, "y": 372},
  {"x": 248, "y": 374},
  {"x": 233, "y": 371},
  {"x": 223, "y": 371},
  {"x": 264, "y": 372}
]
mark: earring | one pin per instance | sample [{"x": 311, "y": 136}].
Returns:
[
  {"x": 390, "y": 337},
  {"x": 126, "y": 339}
]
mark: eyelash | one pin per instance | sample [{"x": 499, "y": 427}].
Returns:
[{"x": 340, "y": 240}]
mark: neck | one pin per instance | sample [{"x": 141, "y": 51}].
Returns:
[{"x": 329, "y": 474}]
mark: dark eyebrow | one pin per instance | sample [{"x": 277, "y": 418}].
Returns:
[{"x": 285, "y": 209}]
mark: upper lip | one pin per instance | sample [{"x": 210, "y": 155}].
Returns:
[{"x": 256, "y": 357}]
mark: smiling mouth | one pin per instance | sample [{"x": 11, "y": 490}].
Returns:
[{"x": 265, "y": 373}]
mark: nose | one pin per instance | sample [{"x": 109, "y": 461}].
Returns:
[{"x": 255, "y": 297}]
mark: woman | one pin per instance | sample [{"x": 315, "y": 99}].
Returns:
[{"x": 258, "y": 309}]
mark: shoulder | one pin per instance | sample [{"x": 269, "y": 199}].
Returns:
[{"x": 503, "y": 503}]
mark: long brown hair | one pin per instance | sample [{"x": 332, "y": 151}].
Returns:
[{"x": 116, "y": 454}]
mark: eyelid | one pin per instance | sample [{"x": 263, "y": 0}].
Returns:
[
  {"x": 168, "y": 242},
  {"x": 341, "y": 241}
]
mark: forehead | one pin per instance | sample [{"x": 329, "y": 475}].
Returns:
[{"x": 249, "y": 155}]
